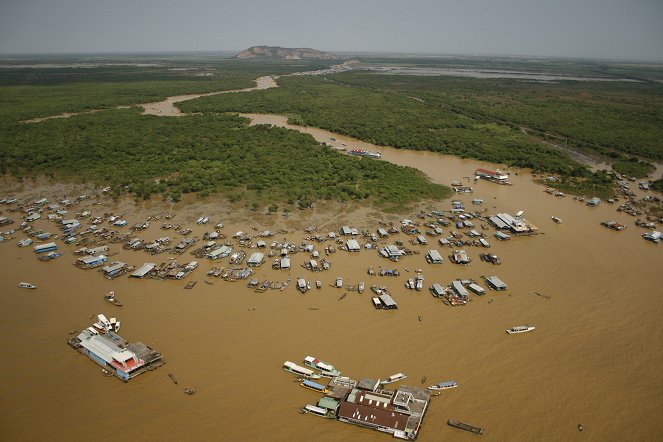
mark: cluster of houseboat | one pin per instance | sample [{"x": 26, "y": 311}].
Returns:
[
  {"x": 367, "y": 402},
  {"x": 245, "y": 252},
  {"x": 633, "y": 206}
]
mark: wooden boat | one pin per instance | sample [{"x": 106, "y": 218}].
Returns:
[
  {"x": 520, "y": 329},
  {"x": 394, "y": 378},
  {"x": 466, "y": 427},
  {"x": 326, "y": 370},
  {"x": 443, "y": 385},
  {"x": 317, "y": 411},
  {"x": 26, "y": 285},
  {"x": 314, "y": 386},
  {"x": 110, "y": 297},
  {"x": 300, "y": 371}
]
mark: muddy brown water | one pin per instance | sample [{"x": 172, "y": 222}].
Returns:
[{"x": 594, "y": 357}]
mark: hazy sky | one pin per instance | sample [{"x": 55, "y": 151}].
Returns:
[{"x": 630, "y": 29}]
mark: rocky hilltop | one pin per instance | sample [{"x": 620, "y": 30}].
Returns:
[{"x": 279, "y": 53}]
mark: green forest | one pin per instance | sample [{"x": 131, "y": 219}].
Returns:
[
  {"x": 150, "y": 155},
  {"x": 390, "y": 119},
  {"x": 502, "y": 121}
]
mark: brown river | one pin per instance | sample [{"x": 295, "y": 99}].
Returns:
[{"x": 593, "y": 359}]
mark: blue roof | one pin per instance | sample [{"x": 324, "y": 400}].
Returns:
[{"x": 313, "y": 384}]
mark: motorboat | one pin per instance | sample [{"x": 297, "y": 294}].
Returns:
[
  {"x": 520, "y": 329},
  {"x": 443, "y": 385}
]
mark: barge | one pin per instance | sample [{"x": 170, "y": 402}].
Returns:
[{"x": 464, "y": 426}]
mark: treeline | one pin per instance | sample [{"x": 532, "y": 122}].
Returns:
[
  {"x": 149, "y": 155},
  {"x": 607, "y": 117},
  {"x": 27, "y": 93},
  {"x": 397, "y": 120}
]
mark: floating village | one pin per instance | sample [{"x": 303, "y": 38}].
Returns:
[{"x": 402, "y": 253}]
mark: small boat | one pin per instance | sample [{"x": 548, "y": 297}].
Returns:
[
  {"x": 443, "y": 385},
  {"x": 419, "y": 284},
  {"x": 557, "y": 219},
  {"x": 326, "y": 370},
  {"x": 466, "y": 427},
  {"x": 520, "y": 329},
  {"x": 110, "y": 297},
  {"x": 26, "y": 285},
  {"x": 360, "y": 287},
  {"x": 394, "y": 378},
  {"x": 317, "y": 411}
]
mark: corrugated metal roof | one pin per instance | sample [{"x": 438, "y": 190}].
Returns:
[
  {"x": 387, "y": 300},
  {"x": 435, "y": 256},
  {"x": 496, "y": 282},
  {"x": 458, "y": 287},
  {"x": 113, "y": 267},
  {"x": 145, "y": 268},
  {"x": 352, "y": 244}
]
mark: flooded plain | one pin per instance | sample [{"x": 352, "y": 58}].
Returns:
[{"x": 593, "y": 359}]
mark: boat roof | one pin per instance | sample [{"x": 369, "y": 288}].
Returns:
[
  {"x": 313, "y": 384},
  {"x": 315, "y": 409}
]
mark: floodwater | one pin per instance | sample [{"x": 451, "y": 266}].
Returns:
[{"x": 593, "y": 359}]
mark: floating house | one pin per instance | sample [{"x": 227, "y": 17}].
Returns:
[
  {"x": 654, "y": 236},
  {"x": 256, "y": 259},
  {"x": 476, "y": 289},
  {"x": 434, "y": 257},
  {"x": 382, "y": 233},
  {"x": 347, "y": 231},
  {"x": 388, "y": 302},
  {"x": 285, "y": 263},
  {"x": 219, "y": 253},
  {"x": 460, "y": 257},
  {"x": 437, "y": 290},
  {"x": 392, "y": 252},
  {"x": 398, "y": 413},
  {"x": 115, "y": 269},
  {"x": 90, "y": 262},
  {"x": 494, "y": 176},
  {"x": 48, "y": 247},
  {"x": 352, "y": 245},
  {"x": 458, "y": 288},
  {"x": 496, "y": 283},
  {"x": 123, "y": 359},
  {"x": 515, "y": 224},
  {"x": 143, "y": 270}
]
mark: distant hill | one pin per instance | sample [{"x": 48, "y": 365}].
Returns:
[{"x": 279, "y": 53}]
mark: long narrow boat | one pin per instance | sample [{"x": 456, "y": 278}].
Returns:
[
  {"x": 444, "y": 385},
  {"x": 394, "y": 378},
  {"x": 317, "y": 411},
  {"x": 466, "y": 427},
  {"x": 520, "y": 329},
  {"x": 314, "y": 386},
  {"x": 326, "y": 370},
  {"x": 300, "y": 371},
  {"x": 26, "y": 285}
]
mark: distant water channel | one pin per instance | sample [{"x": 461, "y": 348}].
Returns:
[{"x": 484, "y": 73}]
